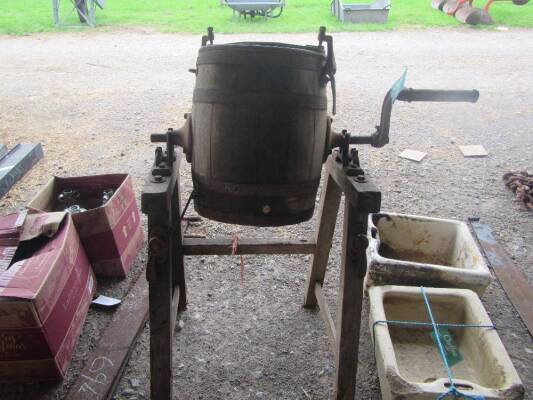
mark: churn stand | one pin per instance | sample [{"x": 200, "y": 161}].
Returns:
[{"x": 344, "y": 176}]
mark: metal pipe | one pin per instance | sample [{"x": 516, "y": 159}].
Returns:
[{"x": 409, "y": 95}]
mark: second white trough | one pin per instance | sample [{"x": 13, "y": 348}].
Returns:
[{"x": 422, "y": 251}]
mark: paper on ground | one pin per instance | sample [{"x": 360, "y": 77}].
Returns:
[
  {"x": 475, "y": 150},
  {"x": 413, "y": 155}
]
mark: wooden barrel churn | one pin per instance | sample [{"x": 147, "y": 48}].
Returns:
[{"x": 258, "y": 132}]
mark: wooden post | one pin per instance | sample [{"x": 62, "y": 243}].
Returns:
[
  {"x": 329, "y": 207},
  {"x": 361, "y": 198},
  {"x": 354, "y": 244},
  {"x": 165, "y": 274},
  {"x": 160, "y": 290}
]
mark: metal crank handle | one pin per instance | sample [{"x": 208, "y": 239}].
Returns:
[
  {"x": 467, "y": 96},
  {"x": 399, "y": 92}
]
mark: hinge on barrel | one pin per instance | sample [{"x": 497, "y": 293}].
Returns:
[{"x": 330, "y": 68}]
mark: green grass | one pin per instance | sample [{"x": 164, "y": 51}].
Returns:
[{"x": 27, "y": 16}]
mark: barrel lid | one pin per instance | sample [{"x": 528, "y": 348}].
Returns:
[
  {"x": 273, "y": 53},
  {"x": 267, "y": 45},
  {"x": 276, "y": 45}
]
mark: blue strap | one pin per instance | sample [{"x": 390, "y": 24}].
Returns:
[
  {"x": 452, "y": 391},
  {"x": 459, "y": 395}
]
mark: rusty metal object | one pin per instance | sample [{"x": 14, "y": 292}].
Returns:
[
  {"x": 521, "y": 183},
  {"x": 465, "y": 12},
  {"x": 473, "y": 15}
]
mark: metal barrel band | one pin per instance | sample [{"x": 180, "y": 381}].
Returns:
[{"x": 452, "y": 391}]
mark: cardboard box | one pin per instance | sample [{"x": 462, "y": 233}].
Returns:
[
  {"x": 44, "y": 297},
  {"x": 10, "y": 230},
  {"x": 111, "y": 233}
]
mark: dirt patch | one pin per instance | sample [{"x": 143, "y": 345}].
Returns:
[{"x": 93, "y": 99}]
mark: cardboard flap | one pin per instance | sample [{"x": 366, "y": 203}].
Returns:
[
  {"x": 33, "y": 256},
  {"x": 46, "y": 224},
  {"x": 10, "y": 231},
  {"x": 11, "y": 227}
]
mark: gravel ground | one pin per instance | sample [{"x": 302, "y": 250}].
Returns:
[{"x": 92, "y": 99}]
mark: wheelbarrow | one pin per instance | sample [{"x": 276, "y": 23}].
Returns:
[{"x": 260, "y": 8}]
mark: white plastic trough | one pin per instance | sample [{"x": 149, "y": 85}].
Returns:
[
  {"x": 422, "y": 251},
  {"x": 376, "y": 12},
  {"x": 408, "y": 361}
]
